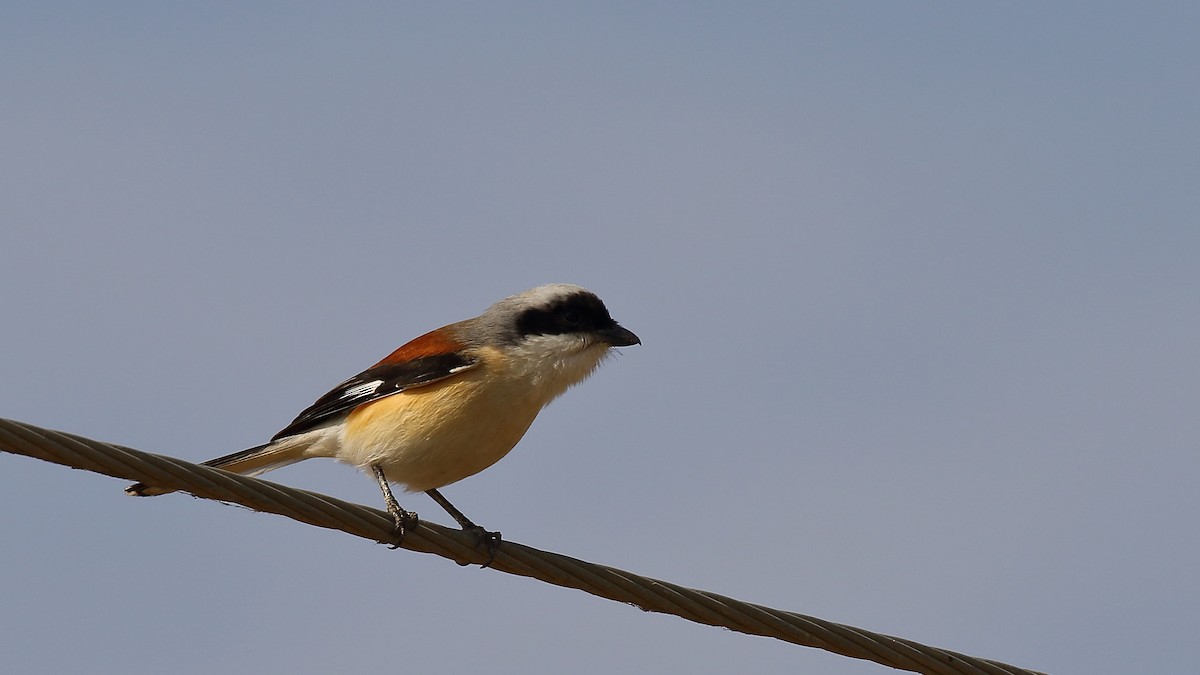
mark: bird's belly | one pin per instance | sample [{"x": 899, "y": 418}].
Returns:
[{"x": 436, "y": 435}]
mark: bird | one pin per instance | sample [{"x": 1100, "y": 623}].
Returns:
[{"x": 450, "y": 403}]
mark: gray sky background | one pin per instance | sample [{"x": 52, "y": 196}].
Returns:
[{"x": 918, "y": 286}]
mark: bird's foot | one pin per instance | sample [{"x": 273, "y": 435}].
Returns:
[
  {"x": 406, "y": 521},
  {"x": 491, "y": 540}
]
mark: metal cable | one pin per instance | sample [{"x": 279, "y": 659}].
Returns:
[{"x": 607, "y": 582}]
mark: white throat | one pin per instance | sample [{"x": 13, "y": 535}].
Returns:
[{"x": 551, "y": 364}]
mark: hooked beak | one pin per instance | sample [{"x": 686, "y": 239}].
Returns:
[{"x": 618, "y": 336}]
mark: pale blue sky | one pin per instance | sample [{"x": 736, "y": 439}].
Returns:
[{"x": 918, "y": 286}]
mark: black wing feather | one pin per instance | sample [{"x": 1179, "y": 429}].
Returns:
[{"x": 373, "y": 384}]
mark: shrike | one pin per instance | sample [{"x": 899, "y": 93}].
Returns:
[{"x": 450, "y": 403}]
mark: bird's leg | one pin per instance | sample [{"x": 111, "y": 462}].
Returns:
[
  {"x": 489, "y": 539},
  {"x": 405, "y": 520}
]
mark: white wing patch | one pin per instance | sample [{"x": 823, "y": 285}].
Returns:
[{"x": 364, "y": 389}]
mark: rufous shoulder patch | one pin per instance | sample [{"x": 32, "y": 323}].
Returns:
[{"x": 433, "y": 343}]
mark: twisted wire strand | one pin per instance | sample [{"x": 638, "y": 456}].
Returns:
[{"x": 607, "y": 582}]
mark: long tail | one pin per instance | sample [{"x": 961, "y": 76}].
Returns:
[{"x": 249, "y": 462}]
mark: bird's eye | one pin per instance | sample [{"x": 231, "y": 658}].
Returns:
[{"x": 572, "y": 318}]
